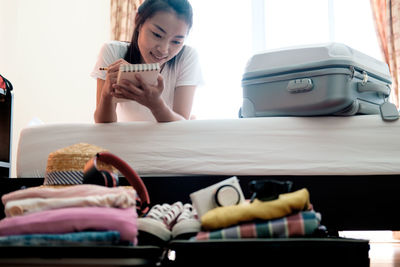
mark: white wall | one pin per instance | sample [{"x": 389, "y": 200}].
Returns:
[{"x": 47, "y": 50}]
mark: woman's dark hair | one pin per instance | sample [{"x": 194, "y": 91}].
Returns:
[{"x": 146, "y": 10}]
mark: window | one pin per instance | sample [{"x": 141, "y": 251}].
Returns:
[{"x": 226, "y": 34}]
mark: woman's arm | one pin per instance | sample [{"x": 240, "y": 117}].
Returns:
[
  {"x": 105, "y": 105},
  {"x": 150, "y": 96},
  {"x": 183, "y": 101}
]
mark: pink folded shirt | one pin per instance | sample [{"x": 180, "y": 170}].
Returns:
[
  {"x": 69, "y": 220},
  {"x": 81, "y": 190}
]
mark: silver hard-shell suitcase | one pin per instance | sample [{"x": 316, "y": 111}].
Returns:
[{"x": 314, "y": 80}]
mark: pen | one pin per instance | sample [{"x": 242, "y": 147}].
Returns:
[{"x": 103, "y": 68}]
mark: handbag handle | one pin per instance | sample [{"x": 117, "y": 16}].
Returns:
[
  {"x": 130, "y": 174},
  {"x": 8, "y": 84}
]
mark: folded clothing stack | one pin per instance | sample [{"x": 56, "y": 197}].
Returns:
[
  {"x": 70, "y": 215},
  {"x": 289, "y": 215}
]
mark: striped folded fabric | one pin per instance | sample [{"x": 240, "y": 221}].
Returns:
[
  {"x": 100, "y": 238},
  {"x": 298, "y": 224}
]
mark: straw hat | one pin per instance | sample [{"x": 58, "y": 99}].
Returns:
[{"x": 65, "y": 165}]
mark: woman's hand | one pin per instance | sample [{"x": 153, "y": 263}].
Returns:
[
  {"x": 146, "y": 94},
  {"x": 111, "y": 78},
  {"x": 105, "y": 102}
]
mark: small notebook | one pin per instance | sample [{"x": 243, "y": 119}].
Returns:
[{"x": 149, "y": 72}]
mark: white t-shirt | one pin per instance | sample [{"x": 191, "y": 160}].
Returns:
[{"x": 185, "y": 71}]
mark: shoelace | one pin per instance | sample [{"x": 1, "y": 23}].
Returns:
[
  {"x": 187, "y": 213},
  {"x": 157, "y": 212},
  {"x": 166, "y": 213},
  {"x": 173, "y": 214}
]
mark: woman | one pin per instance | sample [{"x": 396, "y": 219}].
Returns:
[{"x": 161, "y": 27}]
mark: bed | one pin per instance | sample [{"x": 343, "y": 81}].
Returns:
[{"x": 351, "y": 165}]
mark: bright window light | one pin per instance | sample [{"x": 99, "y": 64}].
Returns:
[
  {"x": 222, "y": 35},
  {"x": 227, "y": 33}
]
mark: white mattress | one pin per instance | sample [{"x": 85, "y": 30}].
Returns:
[{"x": 257, "y": 146}]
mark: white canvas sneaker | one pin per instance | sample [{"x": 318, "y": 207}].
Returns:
[
  {"x": 156, "y": 225},
  {"x": 187, "y": 224}
]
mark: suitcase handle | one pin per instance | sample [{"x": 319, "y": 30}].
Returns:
[
  {"x": 365, "y": 86},
  {"x": 371, "y": 87}
]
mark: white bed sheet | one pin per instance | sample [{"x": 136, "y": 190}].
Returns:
[{"x": 356, "y": 145}]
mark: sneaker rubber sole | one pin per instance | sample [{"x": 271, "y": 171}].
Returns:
[
  {"x": 185, "y": 227},
  {"x": 154, "y": 227}
]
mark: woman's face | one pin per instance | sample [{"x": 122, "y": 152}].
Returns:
[{"x": 161, "y": 37}]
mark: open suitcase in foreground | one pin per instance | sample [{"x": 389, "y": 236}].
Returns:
[
  {"x": 301, "y": 251},
  {"x": 257, "y": 252},
  {"x": 246, "y": 252},
  {"x": 315, "y": 80}
]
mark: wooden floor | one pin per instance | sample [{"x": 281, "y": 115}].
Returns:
[
  {"x": 384, "y": 248},
  {"x": 384, "y": 254}
]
